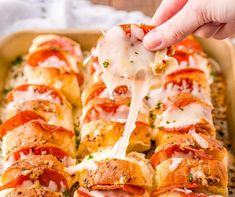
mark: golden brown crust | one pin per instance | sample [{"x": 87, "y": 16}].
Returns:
[
  {"x": 51, "y": 111},
  {"x": 114, "y": 172},
  {"x": 35, "y": 132},
  {"x": 67, "y": 83},
  {"x": 34, "y": 167},
  {"x": 104, "y": 133},
  {"x": 210, "y": 174},
  {"x": 215, "y": 149},
  {"x": 163, "y": 134},
  {"x": 24, "y": 192}
]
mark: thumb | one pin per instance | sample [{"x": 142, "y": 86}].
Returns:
[{"x": 178, "y": 27}]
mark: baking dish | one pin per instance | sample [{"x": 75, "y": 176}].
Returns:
[{"x": 222, "y": 51}]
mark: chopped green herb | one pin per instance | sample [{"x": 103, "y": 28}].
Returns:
[
  {"x": 90, "y": 157},
  {"x": 152, "y": 115},
  {"x": 161, "y": 127},
  {"x": 106, "y": 64},
  {"x": 152, "y": 126},
  {"x": 18, "y": 60},
  {"x": 131, "y": 61},
  {"x": 213, "y": 73},
  {"x": 190, "y": 177},
  {"x": 66, "y": 193},
  {"x": 167, "y": 122},
  {"x": 136, "y": 53},
  {"x": 159, "y": 104},
  {"x": 5, "y": 91}
]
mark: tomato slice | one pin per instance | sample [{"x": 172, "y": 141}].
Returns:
[
  {"x": 189, "y": 44},
  {"x": 131, "y": 189},
  {"x": 18, "y": 120},
  {"x": 41, "y": 89},
  {"x": 44, "y": 179},
  {"x": 145, "y": 28},
  {"x": 83, "y": 193},
  {"x": 39, "y": 150},
  {"x": 167, "y": 153},
  {"x": 43, "y": 54},
  {"x": 64, "y": 44},
  {"x": 52, "y": 175},
  {"x": 16, "y": 182}
]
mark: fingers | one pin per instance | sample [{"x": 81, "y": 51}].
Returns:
[
  {"x": 226, "y": 31},
  {"x": 166, "y": 10},
  {"x": 208, "y": 30},
  {"x": 175, "y": 29}
]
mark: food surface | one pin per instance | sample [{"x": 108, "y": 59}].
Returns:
[{"x": 129, "y": 123}]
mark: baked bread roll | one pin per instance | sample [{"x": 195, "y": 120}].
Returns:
[
  {"x": 43, "y": 170},
  {"x": 192, "y": 145},
  {"x": 64, "y": 43},
  {"x": 99, "y": 172},
  {"x": 37, "y": 132},
  {"x": 209, "y": 174},
  {"x": 101, "y": 134}
]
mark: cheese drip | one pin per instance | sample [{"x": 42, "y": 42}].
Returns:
[{"x": 126, "y": 63}]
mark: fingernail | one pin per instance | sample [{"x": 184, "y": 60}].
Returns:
[{"x": 152, "y": 41}]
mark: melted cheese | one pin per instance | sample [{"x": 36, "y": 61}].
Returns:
[
  {"x": 199, "y": 139},
  {"x": 163, "y": 95},
  {"x": 127, "y": 63},
  {"x": 187, "y": 115},
  {"x": 175, "y": 163},
  {"x": 30, "y": 94},
  {"x": 5, "y": 192}
]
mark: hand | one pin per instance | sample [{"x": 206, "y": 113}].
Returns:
[{"x": 176, "y": 19}]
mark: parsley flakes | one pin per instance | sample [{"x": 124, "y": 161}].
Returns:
[{"x": 106, "y": 64}]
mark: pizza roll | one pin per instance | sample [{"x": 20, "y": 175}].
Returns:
[
  {"x": 187, "y": 80},
  {"x": 61, "y": 42},
  {"x": 183, "y": 113},
  {"x": 67, "y": 83},
  {"x": 192, "y": 145},
  {"x": 209, "y": 174},
  {"x": 99, "y": 172},
  {"x": 53, "y": 57},
  {"x": 37, "y": 132},
  {"x": 101, "y": 134},
  {"x": 43, "y": 170}
]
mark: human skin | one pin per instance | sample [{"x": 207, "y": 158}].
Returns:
[{"x": 176, "y": 19}]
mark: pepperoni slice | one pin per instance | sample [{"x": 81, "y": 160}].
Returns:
[
  {"x": 18, "y": 120},
  {"x": 145, "y": 28},
  {"x": 64, "y": 44},
  {"x": 14, "y": 183},
  {"x": 39, "y": 150},
  {"x": 43, "y": 54},
  {"x": 52, "y": 175},
  {"x": 167, "y": 153}
]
